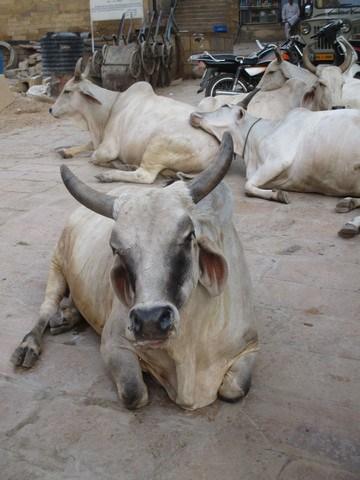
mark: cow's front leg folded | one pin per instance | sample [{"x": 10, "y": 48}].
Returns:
[
  {"x": 124, "y": 368},
  {"x": 140, "y": 175},
  {"x": 70, "y": 152},
  {"x": 237, "y": 380},
  {"x": 66, "y": 317},
  {"x": 264, "y": 175}
]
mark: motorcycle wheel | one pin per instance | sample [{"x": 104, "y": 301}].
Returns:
[{"x": 224, "y": 82}]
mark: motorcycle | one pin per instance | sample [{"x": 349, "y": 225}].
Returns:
[{"x": 230, "y": 74}]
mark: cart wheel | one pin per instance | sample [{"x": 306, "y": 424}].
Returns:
[
  {"x": 135, "y": 66},
  {"x": 11, "y": 59},
  {"x": 147, "y": 58},
  {"x": 96, "y": 63},
  {"x": 166, "y": 54}
]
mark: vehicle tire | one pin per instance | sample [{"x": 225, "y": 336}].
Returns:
[{"x": 224, "y": 81}]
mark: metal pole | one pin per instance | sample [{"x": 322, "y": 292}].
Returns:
[{"x": 92, "y": 29}]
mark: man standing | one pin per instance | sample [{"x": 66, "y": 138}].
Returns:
[{"x": 290, "y": 15}]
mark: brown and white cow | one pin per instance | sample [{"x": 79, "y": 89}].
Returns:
[{"x": 160, "y": 274}]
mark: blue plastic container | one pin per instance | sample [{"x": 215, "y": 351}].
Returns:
[
  {"x": 1, "y": 63},
  {"x": 220, "y": 28}
]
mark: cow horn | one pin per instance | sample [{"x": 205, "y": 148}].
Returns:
[
  {"x": 348, "y": 56},
  {"x": 77, "y": 71},
  {"x": 245, "y": 101},
  {"x": 207, "y": 180},
  {"x": 96, "y": 201},
  {"x": 306, "y": 60},
  {"x": 278, "y": 55},
  {"x": 86, "y": 72}
]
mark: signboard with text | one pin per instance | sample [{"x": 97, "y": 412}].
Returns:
[{"x": 114, "y": 9}]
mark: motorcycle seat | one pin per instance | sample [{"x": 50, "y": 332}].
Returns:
[
  {"x": 251, "y": 60},
  {"x": 228, "y": 57}
]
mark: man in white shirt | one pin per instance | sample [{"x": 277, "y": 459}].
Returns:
[{"x": 290, "y": 15}]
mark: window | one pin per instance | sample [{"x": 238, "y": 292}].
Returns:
[{"x": 259, "y": 11}]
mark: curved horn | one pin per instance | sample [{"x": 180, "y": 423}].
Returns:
[
  {"x": 306, "y": 60},
  {"x": 245, "y": 101},
  {"x": 278, "y": 55},
  {"x": 348, "y": 56},
  {"x": 86, "y": 72},
  {"x": 207, "y": 180},
  {"x": 96, "y": 201},
  {"x": 77, "y": 71}
]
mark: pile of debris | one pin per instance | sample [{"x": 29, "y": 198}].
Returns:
[{"x": 27, "y": 74}]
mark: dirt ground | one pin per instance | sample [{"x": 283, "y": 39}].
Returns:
[{"x": 62, "y": 419}]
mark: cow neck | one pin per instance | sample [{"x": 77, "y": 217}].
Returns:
[
  {"x": 94, "y": 123},
  {"x": 247, "y": 135}
]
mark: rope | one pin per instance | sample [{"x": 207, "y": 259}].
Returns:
[{"x": 247, "y": 135}]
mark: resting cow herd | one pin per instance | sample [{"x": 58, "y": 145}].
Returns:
[{"x": 168, "y": 289}]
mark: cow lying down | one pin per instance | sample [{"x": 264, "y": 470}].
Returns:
[
  {"x": 160, "y": 274},
  {"x": 304, "y": 152},
  {"x": 148, "y": 133}
]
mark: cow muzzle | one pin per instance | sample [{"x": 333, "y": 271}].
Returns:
[{"x": 152, "y": 325}]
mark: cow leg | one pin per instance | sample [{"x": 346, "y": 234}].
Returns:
[
  {"x": 262, "y": 176},
  {"x": 347, "y": 204},
  {"x": 350, "y": 229},
  {"x": 66, "y": 318},
  {"x": 237, "y": 380},
  {"x": 140, "y": 175},
  {"x": 124, "y": 368},
  {"x": 70, "y": 152},
  {"x": 27, "y": 353},
  {"x": 105, "y": 154},
  {"x": 123, "y": 365}
]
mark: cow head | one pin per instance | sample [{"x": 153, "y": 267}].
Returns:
[
  {"x": 326, "y": 91},
  {"x": 160, "y": 252},
  {"x": 279, "y": 71},
  {"x": 78, "y": 94}
]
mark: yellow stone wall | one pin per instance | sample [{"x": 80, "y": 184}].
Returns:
[{"x": 31, "y": 19}]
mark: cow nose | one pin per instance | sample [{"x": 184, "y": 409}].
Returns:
[{"x": 151, "y": 322}]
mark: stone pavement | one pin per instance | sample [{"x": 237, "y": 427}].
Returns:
[{"x": 62, "y": 419}]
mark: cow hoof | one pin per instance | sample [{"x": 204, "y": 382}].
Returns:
[
  {"x": 282, "y": 197},
  {"x": 103, "y": 178},
  {"x": 230, "y": 391},
  {"x": 345, "y": 205},
  {"x": 27, "y": 353},
  {"x": 348, "y": 230},
  {"x": 63, "y": 153},
  {"x": 64, "y": 320}
]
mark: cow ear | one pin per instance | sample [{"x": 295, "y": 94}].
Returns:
[
  {"x": 213, "y": 267},
  {"x": 309, "y": 96},
  {"x": 86, "y": 92},
  {"x": 122, "y": 284}
]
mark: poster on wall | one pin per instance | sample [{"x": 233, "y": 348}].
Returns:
[{"x": 114, "y": 9}]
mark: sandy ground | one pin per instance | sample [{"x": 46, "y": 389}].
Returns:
[{"x": 62, "y": 420}]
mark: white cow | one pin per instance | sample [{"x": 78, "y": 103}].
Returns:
[
  {"x": 305, "y": 152},
  {"x": 137, "y": 126},
  {"x": 272, "y": 104},
  {"x": 171, "y": 295},
  {"x": 285, "y": 86}
]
